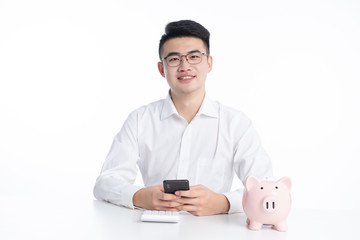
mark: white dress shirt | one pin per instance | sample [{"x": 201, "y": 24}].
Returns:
[{"x": 217, "y": 143}]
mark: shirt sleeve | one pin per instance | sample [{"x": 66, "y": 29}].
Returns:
[
  {"x": 235, "y": 200},
  {"x": 250, "y": 159},
  {"x": 116, "y": 181}
]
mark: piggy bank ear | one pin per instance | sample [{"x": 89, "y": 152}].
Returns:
[
  {"x": 286, "y": 181},
  {"x": 251, "y": 182}
]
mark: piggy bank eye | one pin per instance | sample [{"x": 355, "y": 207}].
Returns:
[
  {"x": 261, "y": 188},
  {"x": 276, "y": 187}
]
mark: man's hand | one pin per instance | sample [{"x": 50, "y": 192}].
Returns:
[
  {"x": 201, "y": 201},
  {"x": 154, "y": 198}
]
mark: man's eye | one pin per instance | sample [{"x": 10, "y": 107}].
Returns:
[
  {"x": 194, "y": 56},
  {"x": 173, "y": 59}
]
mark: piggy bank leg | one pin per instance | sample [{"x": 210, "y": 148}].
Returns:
[
  {"x": 253, "y": 225},
  {"x": 281, "y": 226}
]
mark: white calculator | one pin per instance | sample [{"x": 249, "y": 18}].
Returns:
[{"x": 160, "y": 216}]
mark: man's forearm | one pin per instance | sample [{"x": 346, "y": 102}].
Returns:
[
  {"x": 224, "y": 204},
  {"x": 138, "y": 198}
]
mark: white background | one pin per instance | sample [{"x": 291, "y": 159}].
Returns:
[{"x": 71, "y": 71}]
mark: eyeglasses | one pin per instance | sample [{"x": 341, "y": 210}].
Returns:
[{"x": 174, "y": 60}]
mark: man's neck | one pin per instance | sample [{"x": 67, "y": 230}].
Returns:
[{"x": 188, "y": 105}]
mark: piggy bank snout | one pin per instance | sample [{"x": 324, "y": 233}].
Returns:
[{"x": 270, "y": 204}]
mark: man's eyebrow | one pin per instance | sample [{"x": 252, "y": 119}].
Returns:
[
  {"x": 178, "y": 54},
  {"x": 194, "y": 51},
  {"x": 173, "y": 53}
]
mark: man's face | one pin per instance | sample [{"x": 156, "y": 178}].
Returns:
[{"x": 186, "y": 78}]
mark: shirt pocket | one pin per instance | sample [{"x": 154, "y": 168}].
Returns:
[{"x": 211, "y": 173}]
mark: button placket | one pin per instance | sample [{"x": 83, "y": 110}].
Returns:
[{"x": 184, "y": 154}]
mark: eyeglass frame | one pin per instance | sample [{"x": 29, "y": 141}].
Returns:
[{"x": 181, "y": 57}]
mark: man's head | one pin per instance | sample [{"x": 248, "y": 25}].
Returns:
[
  {"x": 184, "y": 57},
  {"x": 185, "y": 28}
]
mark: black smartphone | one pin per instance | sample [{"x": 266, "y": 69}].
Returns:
[{"x": 171, "y": 186}]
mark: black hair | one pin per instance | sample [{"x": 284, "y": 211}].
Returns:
[{"x": 185, "y": 28}]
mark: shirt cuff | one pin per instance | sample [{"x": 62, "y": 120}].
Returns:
[{"x": 235, "y": 200}]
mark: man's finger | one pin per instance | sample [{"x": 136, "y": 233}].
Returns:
[
  {"x": 168, "y": 197},
  {"x": 187, "y": 208},
  {"x": 187, "y": 200},
  {"x": 192, "y": 193},
  {"x": 196, "y": 187},
  {"x": 172, "y": 204}
]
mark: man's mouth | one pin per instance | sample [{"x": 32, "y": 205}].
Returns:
[{"x": 185, "y": 77}]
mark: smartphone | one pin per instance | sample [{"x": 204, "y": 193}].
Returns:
[{"x": 171, "y": 186}]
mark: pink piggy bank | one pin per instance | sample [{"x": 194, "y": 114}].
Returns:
[{"x": 267, "y": 202}]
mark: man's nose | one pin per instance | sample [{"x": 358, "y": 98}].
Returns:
[{"x": 184, "y": 64}]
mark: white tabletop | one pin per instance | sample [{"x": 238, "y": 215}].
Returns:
[{"x": 45, "y": 218}]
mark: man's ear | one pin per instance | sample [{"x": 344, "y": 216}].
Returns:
[
  {"x": 210, "y": 63},
  {"x": 161, "y": 69}
]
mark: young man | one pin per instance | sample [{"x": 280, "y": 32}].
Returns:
[{"x": 185, "y": 136}]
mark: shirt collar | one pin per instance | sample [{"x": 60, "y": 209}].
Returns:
[
  {"x": 208, "y": 108},
  {"x": 168, "y": 108}
]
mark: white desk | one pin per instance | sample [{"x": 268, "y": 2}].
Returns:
[{"x": 36, "y": 218}]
